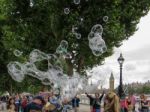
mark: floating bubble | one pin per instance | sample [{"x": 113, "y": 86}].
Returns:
[
  {"x": 68, "y": 86},
  {"x": 37, "y": 55},
  {"x": 78, "y": 35},
  {"x": 76, "y": 2},
  {"x": 66, "y": 11},
  {"x": 105, "y": 18},
  {"x": 62, "y": 48},
  {"x": 96, "y": 52},
  {"x": 96, "y": 43},
  {"x": 97, "y": 29},
  {"x": 15, "y": 69},
  {"x": 17, "y": 53},
  {"x": 64, "y": 44}
]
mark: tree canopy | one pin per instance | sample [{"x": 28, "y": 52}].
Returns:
[{"x": 42, "y": 24}]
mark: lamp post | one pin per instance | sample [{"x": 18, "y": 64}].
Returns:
[{"x": 120, "y": 89}]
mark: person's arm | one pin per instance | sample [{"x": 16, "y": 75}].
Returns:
[
  {"x": 101, "y": 96},
  {"x": 143, "y": 105},
  {"x": 89, "y": 96}
]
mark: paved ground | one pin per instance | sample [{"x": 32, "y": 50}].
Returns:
[{"x": 84, "y": 108}]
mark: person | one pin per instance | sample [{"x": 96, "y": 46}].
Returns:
[
  {"x": 11, "y": 107},
  {"x": 3, "y": 103},
  {"x": 91, "y": 103},
  {"x": 133, "y": 100},
  {"x": 96, "y": 104},
  {"x": 75, "y": 103},
  {"x": 130, "y": 107},
  {"x": 24, "y": 103},
  {"x": 0, "y": 105},
  {"x": 111, "y": 103},
  {"x": 144, "y": 104},
  {"x": 17, "y": 102},
  {"x": 36, "y": 105}
]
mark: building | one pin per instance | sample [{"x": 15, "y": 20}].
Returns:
[{"x": 111, "y": 82}]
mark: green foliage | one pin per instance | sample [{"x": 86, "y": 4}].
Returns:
[{"x": 45, "y": 24}]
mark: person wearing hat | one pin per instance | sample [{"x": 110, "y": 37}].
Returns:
[{"x": 36, "y": 105}]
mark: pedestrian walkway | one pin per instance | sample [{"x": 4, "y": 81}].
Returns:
[{"x": 84, "y": 108}]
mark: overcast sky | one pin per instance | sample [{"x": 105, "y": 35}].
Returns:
[{"x": 136, "y": 51}]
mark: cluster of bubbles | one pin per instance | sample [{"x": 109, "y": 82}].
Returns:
[
  {"x": 77, "y": 35},
  {"x": 96, "y": 43},
  {"x": 54, "y": 75},
  {"x": 17, "y": 53}
]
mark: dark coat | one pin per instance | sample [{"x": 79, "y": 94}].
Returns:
[{"x": 75, "y": 102}]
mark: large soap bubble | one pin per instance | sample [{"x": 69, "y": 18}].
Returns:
[
  {"x": 96, "y": 43},
  {"x": 15, "y": 69},
  {"x": 37, "y": 55},
  {"x": 68, "y": 86}
]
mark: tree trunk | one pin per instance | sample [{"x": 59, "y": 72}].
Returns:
[
  {"x": 69, "y": 67},
  {"x": 80, "y": 64}
]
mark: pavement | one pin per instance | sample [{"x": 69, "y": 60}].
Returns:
[{"x": 84, "y": 108}]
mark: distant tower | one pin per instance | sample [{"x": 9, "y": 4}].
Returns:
[{"x": 111, "y": 82}]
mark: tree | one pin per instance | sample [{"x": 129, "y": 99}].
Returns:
[{"x": 42, "y": 24}]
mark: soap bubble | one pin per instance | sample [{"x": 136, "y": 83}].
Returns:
[
  {"x": 97, "y": 29},
  {"x": 62, "y": 48},
  {"x": 37, "y": 55},
  {"x": 15, "y": 69},
  {"x": 76, "y": 2},
  {"x": 17, "y": 53},
  {"x": 68, "y": 86},
  {"x": 66, "y": 11},
  {"x": 78, "y": 35},
  {"x": 64, "y": 44},
  {"x": 96, "y": 43},
  {"x": 105, "y": 18}
]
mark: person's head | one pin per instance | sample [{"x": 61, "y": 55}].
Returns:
[
  {"x": 46, "y": 98},
  {"x": 11, "y": 101},
  {"x": 96, "y": 95},
  {"x": 142, "y": 96},
  {"x": 39, "y": 100}
]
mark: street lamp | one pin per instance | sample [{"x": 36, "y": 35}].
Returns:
[{"x": 120, "y": 89}]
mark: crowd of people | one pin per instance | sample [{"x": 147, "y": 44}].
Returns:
[
  {"x": 49, "y": 102},
  {"x": 112, "y": 103},
  {"x": 43, "y": 102}
]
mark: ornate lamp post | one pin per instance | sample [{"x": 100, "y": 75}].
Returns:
[{"x": 120, "y": 89}]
